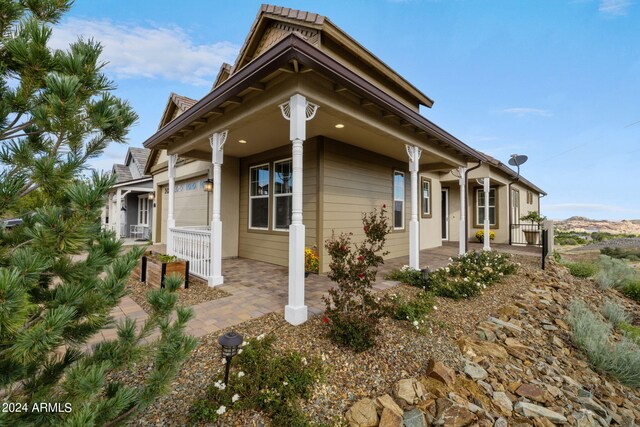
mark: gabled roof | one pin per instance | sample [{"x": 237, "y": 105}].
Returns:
[
  {"x": 122, "y": 173},
  {"x": 329, "y": 29},
  {"x": 492, "y": 161},
  {"x": 223, "y": 74},
  {"x": 140, "y": 155}
]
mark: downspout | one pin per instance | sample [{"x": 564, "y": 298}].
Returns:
[
  {"x": 511, "y": 207},
  {"x": 466, "y": 205}
]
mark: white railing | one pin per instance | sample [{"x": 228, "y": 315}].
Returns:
[{"x": 194, "y": 245}]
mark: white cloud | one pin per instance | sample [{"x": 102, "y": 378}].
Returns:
[
  {"x": 614, "y": 7},
  {"x": 522, "y": 111},
  {"x": 149, "y": 51}
]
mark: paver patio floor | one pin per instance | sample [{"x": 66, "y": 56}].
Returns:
[{"x": 257, "y": 288}]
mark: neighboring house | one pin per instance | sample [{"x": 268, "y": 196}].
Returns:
[
  {"x": 129, "y": 210},
  {"x": 301, "y": 84}
]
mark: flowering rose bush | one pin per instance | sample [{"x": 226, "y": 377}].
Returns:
[
  {"x": 265, "y": 381},
  {"x": 468, "y": 275},
  {"x": 352, "y": 311},
  {"x": 414, "y": 309}
]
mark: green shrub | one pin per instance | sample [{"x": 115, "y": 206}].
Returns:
[
  {"x": 582, "y": 269},
  {"x": 408, "y": 276},
  {"x": 262, "y": 380},
  {"x": 469, "y": 274},
  {"x": 630, "y": 331},
  {"x": 620, "y": 253},
  {"x": 556, "y": 256},
  {"x": 631, "y": 289},
  {"x": 613, "y": 273},
  {"x": 621, "y": 360},
  {"x": 615, "y": 313},
  {"x": 412, "y": 310}
]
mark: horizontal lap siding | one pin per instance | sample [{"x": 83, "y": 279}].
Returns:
[
  {"x": 273, "y": 246},
  {"x": 357, "y": 181}
]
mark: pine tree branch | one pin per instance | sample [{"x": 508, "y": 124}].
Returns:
[
  {"x": 122, "y": 416},
  {"x": 4, "y": 138},
  {"x": 55, "y": 148},
  {"x": 4, "y": 135}
]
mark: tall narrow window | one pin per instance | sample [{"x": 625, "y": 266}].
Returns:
[
  {"x": 398, "y": 200},
  {"x": 259, "y": 197},
  {"x": 515, "y": 206},
  {"x": 425, "y": 183},
  {"x": 143, "y": 210},
  {"x": 282, "y": 194},
  {"x": 480, "y": 206}
]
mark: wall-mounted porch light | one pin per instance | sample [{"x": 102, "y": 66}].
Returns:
[
  {"x": 152, "y": 196},
  {"x": 339, "y": 126},
  {"x": 208, "y": 185},
  {"x": 242, "y": 141}
]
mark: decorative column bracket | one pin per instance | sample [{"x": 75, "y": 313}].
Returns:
[{"x": 216, "y": 141}]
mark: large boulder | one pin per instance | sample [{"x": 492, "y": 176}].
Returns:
[
  {"x": 410, "y": 391},
  {"x": 362, "y": 414}
]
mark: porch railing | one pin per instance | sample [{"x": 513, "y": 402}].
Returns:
[
  {"x": 193, "y": 244},
  {"x": 526, "y": 234}
]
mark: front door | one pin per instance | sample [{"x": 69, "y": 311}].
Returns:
[{"x": 445, "y": 214}]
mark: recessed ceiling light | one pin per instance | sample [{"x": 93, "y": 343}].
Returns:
[
  {"x": 242, "y": 141},
  {"x": 339, "y": 126}
]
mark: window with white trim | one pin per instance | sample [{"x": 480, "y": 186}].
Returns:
[
  {"x": 425, "y": 183},
  {"x": 143, "y": 210},
  {"x": 259, "y": 178},
  {"x": 282, "y": 194},
  {"x": 480, "y": 206},
  {"x": 398, "y": 200}
]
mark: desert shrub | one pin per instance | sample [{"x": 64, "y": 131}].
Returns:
[
  {"x": 615, "y": 313},
  {"x": 582, "y": 269},
  {"x": 613, "y": 273},
  {"x": 468, "y": 274},
  {"x": 352, "y": 312},
  {"x": 262, "y": 380},
  {"x": 601, "y": 236},
  {"x": 620, "y": 253},
  {"x": 592, "y": 335},
  {"x": 408, "y": 276},
  {"x": 563, "y": 238},
  {"x": 631, "y": 289},
  {"x": 413, "y": 310},
  {"x": 556, "y": 256},
  {"x": 630, "y": 331}
]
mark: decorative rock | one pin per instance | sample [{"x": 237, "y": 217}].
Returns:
[
  {"x": 502, "y": 401},
  {"x": 532, "y": 392},
  {"x": 473, "y": 349},
  {"x": 507, "y": 325},
  {"x": 390, "y": 419},
  {"x": 591, "y": 404},
  {"x": 549, "y": 328},
  {"x": 386, "y": 402},
  {"x": 441, "y": 372},
  {"x": 410, "y": 391},
  {"x": 362, "y": 414},
  {"x": 501, "y": 422},
  {"x": 414, "y": 418},
  {"x": 530, "y": 410},
  {"x": 475, "y": 371},
  {"x": 584, "y": 419},
  {"x": 456, "y": 416}
]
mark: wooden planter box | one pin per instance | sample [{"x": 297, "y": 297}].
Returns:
[{"x": 153, "y": 271}]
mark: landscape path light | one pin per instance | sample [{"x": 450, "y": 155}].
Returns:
[{"x": 230, "y": 343}]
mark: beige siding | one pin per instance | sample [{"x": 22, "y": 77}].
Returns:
[
  {"x": 273, "y": 246},
  {"x": 431, "y": 228},
  {"x": 357, "y": 181}
]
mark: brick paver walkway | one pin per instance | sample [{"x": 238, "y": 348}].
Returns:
[{"x": 258, "y": 288}]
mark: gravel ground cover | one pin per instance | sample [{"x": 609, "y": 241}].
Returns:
[
  {"x": 402, "y": 351},
  {"x": 197, "y": 292}
]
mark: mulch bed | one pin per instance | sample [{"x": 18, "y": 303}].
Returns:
[
  {"x": 197, "y": 292},
  {"x": 402, "y": 352}
]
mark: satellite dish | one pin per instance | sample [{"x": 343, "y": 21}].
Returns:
[{"x": 517, "y": 159}]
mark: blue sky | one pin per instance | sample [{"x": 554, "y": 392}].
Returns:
[{"x": 557, "y": 80}]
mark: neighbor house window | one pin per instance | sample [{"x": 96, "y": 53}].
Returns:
[
  {"x": 529, "y": 197},
  {"x": 425, "y": 184},
  {"x": 282, "y": 194},
  {"x": 259, "y": 197},
  {"x": 480, "y": 206},
  {"x": 143, "y": 210},
  {"x": 398, "y": 200}
]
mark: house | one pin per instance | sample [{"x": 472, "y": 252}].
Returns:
[
  {"x": 128, "y": 211},
  {"x": 301, "y": 135}
]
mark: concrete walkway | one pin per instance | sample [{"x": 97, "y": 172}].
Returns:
[{"x": 257, "y": 288}]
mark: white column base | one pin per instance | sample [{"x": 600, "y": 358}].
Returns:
[
  {"x": 414, "y": 244},
  {"x": 296, "y": 312},
  {"x": 214, "y": 281},
  {"x": 215, "y": 254}
]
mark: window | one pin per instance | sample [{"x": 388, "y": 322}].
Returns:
[
  {"x": 259, "y": 197},
  {"x": 282, "y": 194},
  {"x": 529, "y": 197},
  {"x": 480, "y": 207},
  {"x": 143, "y": 210},
  {"x": 515, "y": 206},
  {"x": 398, "y": 200},
  {"x": 425, "y": 184}
]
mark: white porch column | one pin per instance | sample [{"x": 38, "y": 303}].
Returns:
[
  {"x": 463, "y": 217},
  {"x": 487, "y": 222},
  {"x": 171, "y": 222},
  {"x": 217, "y": 141},
  {"x": 414, "y": 225},
  {"x": 298, "y": 110},
  {"x": 118, "y": 212}
]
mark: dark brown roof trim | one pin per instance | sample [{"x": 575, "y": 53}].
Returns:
[{"x": 294, "y": 47}]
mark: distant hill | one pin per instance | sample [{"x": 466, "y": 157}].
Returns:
[{"x": 580, "y": 223}]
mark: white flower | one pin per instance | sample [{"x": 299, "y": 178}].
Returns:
[
  {"x": 224, "y": 361},
  {"x": 240, "y": 374},
  {"x": 304, "y": 361},
  {"x": 415, "y": 323},
  {"x": 435, "y": 307},
  {"x": 260, "y": 337},
  {"x": 235, "y": 398},
  {"x": 239, "y": 350},
  {"x": 243, "y": 343},
  {"x": 285, "y": 383},
  {"x": 220, "y": 385},
  {"x": 221, "y": 410}
]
